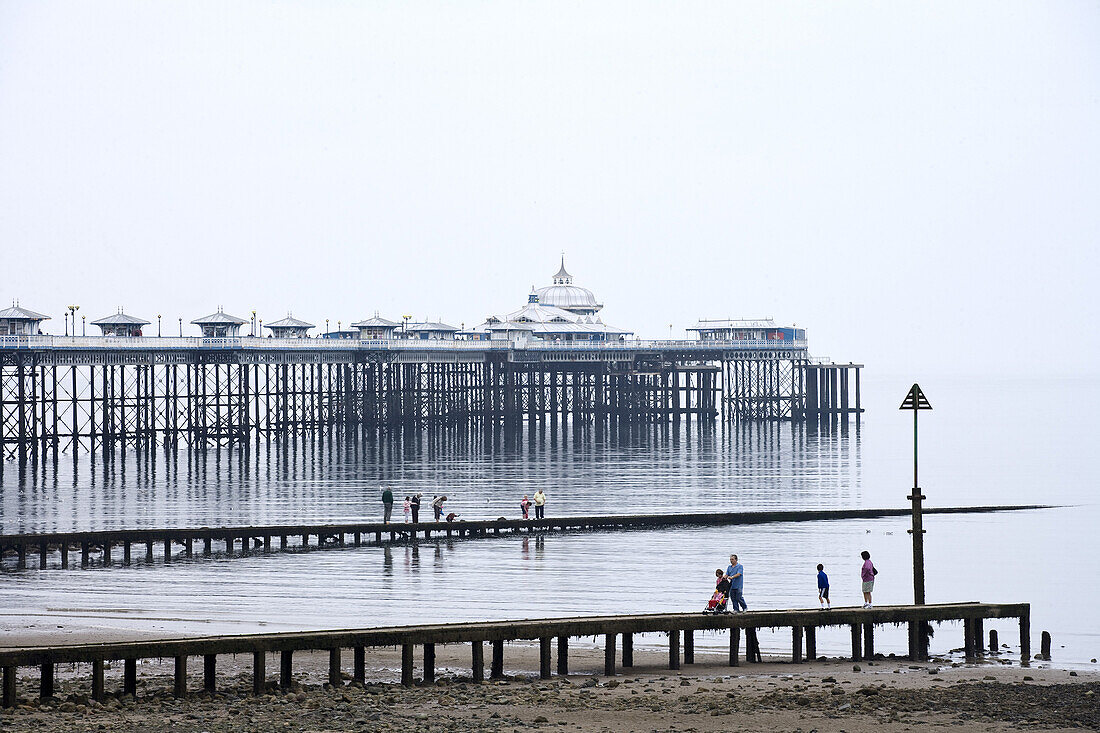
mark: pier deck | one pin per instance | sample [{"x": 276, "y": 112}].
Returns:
[
  {"x": 169, "y": 542},
  {"x": 680, "y": 628}
]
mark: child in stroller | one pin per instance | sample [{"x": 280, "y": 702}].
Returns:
[{"x": 717, "y": 603}]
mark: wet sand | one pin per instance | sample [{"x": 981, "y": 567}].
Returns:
[{"x": 833, "y": 695}]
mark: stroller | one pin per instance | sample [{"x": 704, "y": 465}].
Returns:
[{"x": 717, "y": 602}]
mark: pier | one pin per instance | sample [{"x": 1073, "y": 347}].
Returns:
[
  {"x": 62, "y": 394},
  {"x": 169, "y": 542},
  {"x": 617, "y": 632}
]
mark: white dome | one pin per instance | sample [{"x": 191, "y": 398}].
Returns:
[{"x": 568, "y": 297}]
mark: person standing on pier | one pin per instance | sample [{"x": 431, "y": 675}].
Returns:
[
  {"x": 823, "y": 588},
  {"x": 867, "y": 574},
  {"x": 524, "y": 505},
  {"x": 735, "y": 573},
  {"x": 540, "y": 504},
  {"x": 407, "y": 506},
  {"x": 387, "y": 504},
  {"x": 437, "y": 506},
  {"x": 415, "y": 505}
]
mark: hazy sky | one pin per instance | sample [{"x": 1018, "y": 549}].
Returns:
[{"x": 918, "y": 184}]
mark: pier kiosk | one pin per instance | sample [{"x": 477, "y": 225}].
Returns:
[
  {"x": 290, "y": 328},
  {"x": 220, "y": 325},
  {"x": 16, "y": 321},
  {"x": 121, "y": 325}
]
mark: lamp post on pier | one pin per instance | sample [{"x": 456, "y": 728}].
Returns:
[
  {"x": 158, "y": 325},
  {"x": 83, "y": 326},
  {"x": 916, "y": 401},
  {"x": 181, "y": 327},
  {"x": 72, "y": 315}
]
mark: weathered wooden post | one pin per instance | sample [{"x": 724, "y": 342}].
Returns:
[
  {"x": 563, "y": 655},
  {"x": 674, "y": 649},
  {"x": 477, "y": 654},
  {"x": 286, "y": 668},
  {"x": 429, "y": 663},
  {"x": 209, "y": 672},
  {"x": 496, "y": 669},
  {"x": 544, "y": 657},
  {"x": 129, "y": 677},
  {"x": 259, "y": 673},
  {"x": 628, "y": 650},
  {"x": 45, "y": 688},
  {"x": 179, "y": 680},
  {"x": 868, "y": 641},
  {"x": 856, "y": 643},
  {"x": 97, "y": 680},
  {"x": 106, "y": 553},
  {"x": 979, "y": 634},
  {"x": 359, "y": 673},
  {"x": 207, "y": 546},
  {"x": 189, "y": 547},
  {"x": 126, "y": 552},
  {"x": 9, "y": 687},
  {"x": 1025, "y": 638},
  {"x": 994, "y": 646},
  {"x": 1044, "y": 645},
  {"x": 735, "y": 643},
  {"x": 85, "y": 551},
  {"x": 334, "y": 667},
  {"x": 43, "y": 550},
  {"x": 149, "y": 551},
  {"x": 811, "y": 643},
  {"x": 689, "y": 646},
  {"x": 167, "y": 550},
  {"x": 609, "y": 655},
  {"x": 64, "y": 555},
  {"x": 968, "y": 638},
  {"x": 796, "y": 644},
  {"x": 21, "y": 551},
  {"x": 407, "y": 664}
]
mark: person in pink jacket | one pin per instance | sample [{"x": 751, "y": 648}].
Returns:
[{"x": 867, "y": 574}]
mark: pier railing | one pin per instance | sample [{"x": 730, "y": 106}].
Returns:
[
  {"x": 310, "y": 344},
  {"x": 615, "y": 630}
]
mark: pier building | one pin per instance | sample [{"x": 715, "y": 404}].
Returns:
[
  {"x": 551, "y": 363},
  {"x": 120, "y": 325},
  {"x": 290, "y": 328},
  {"x": 220, "y": 325},
  {"x": 16, "y": 321},
  {"x": 376, "y": 328}
]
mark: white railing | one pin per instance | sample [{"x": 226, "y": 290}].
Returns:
[{"x": 255, "y": 342}]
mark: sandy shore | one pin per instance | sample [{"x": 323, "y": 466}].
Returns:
[{"x": 831, "y": 695}]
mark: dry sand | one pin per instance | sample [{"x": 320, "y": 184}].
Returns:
[{"x": 882, "y": 696}]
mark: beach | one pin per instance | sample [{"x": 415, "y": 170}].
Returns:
[{"x": 884, "y": 695}]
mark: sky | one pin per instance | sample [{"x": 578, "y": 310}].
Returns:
[{"x": 916, "y": 183}]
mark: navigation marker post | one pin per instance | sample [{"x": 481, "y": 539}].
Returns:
[{"x": 916, "y": 401}]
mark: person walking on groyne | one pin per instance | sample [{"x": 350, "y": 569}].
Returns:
[
  {"x": 540, "y": 504},
  {"x": 437, "y": 506},
  {"x": 407, "y": 506},
  {"x": 415, "y": 506},
  {"x": 387, "y": 505},
  {"x": 823, "y": 588},
  {"x": 867, "y": 574},
  {"x": 735, "y": 573},
  {"x": 524, "y": 506}
]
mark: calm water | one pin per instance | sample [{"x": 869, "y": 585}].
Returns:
[{"x": 999, "y": 442}]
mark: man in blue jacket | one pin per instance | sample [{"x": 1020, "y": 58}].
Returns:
[{"x": 736, "y": 576}]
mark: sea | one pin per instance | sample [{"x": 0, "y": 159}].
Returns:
[{"x": 989, "y": 440}]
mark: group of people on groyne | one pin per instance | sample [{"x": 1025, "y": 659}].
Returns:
[
  {"x": 729, "y": 589},
  {"x": 412, "y": 506}
]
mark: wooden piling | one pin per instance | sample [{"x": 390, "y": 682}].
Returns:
[
  {"x": 979, "y": 636},
  {"x": 85, "y": 552},
  {"x": 259, "y": 673},
  {"x": 64, "y": 555},
  {"x": 674, "y": 649},
  {"x": 179, "y": 682},
  {"x": 544, "y": 657},
  {"x": 43, "y": 551},
  {"x": 811, "y": 643},
  {"x": 127, "y": 552},
  {"x": 209, "y": 672},
  {"x": 796, "y": 644},
  {"x": 167, "y": 550},
  {"x": 129, "y": 677},
  {"x": 735, "y": 643},
  {"x": 97, "y": 680},
  {"x": 609, "y": 655},
  {"x": 286, "y": 669},
  {"x": 359, "y": 664},
  {"x": 207, "y": 546},
  {"x": 407, "y": 665},
  {"x": 563, "y": 655},
  {"x": 1025, "y": 638},
  {"x": 496, "y": 669},
  {"x": 994, "y": 646},
  {"x": 334, "y": 677},
  {"x": 1044, "y": 645},
  {"x": 9, "y": 696},
  {"x": 856, "y": 643},
  {"x": 689, "y": 646},
  {"x": 45, "y": 685},
  {"x": 968, "y": 638},
  {"x": 429, "y": 664},
  {"x": 628, "y": 650},
  {"x": 868, "y": 641},
  {"x": 477, "y": 659}
]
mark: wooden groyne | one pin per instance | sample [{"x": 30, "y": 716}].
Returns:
[
  {"x": 618, "y": 633},
  {"x": 54, "y": 548}
]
